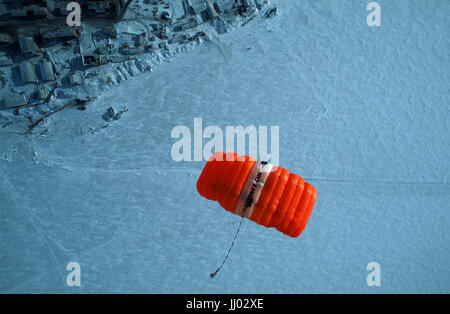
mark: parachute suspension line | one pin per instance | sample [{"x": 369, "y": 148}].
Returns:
[{"x": 231, "y": 247}]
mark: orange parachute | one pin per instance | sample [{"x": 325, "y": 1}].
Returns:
[{"x": 267, "y": 195}]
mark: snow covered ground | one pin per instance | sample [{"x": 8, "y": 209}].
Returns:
[{"x": 363, "y": 115}]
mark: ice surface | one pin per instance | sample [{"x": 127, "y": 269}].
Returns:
[{"x": 363, "y": 115}]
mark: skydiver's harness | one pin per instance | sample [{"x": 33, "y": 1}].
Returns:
[{"x": 249, "y": 198}]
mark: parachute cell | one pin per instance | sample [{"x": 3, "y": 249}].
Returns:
[{"x": 270, "y": 196}]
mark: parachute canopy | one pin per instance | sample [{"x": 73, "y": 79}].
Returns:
[{"x": 270, "y": 196}]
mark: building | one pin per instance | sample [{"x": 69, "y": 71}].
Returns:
[
  {"x": 28, "y": 47},
  {"x": 6, "y": 39},
  {"x": 46, "y": 71},
  {"x": 12, "y": 100},
  {"x": 211, "y": 10},
  {"x": 27, "y": 73},
  {"x": 197, "y": 6},
  {"x": 5, "y": 61},
  {"x": 225, "y": 5},
  {"x": 75, "y": 78},
  {"x": 204, "y": 8},
  {"x": 65, "y": 32}
]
